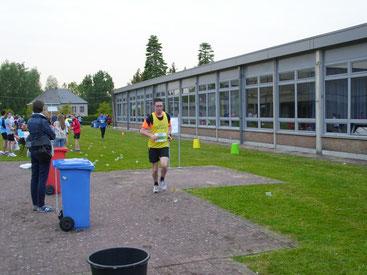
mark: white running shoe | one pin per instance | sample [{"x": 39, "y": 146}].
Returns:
[
  {"x": 155, "y": 189},
  {"x": 12, "y": 154},
  {"x": 163, "y": 185}
]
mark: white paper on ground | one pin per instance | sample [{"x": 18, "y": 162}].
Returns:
[{"x": 25, "y": 165}]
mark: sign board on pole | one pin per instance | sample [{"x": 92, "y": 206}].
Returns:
[
  {"x": 174, "y": 125},
  {"x": 52, "y": 108}
]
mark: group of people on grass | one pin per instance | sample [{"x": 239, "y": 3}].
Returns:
[
  {"x": 13, "y": 130},
  {"x": 45, "y": 132}
]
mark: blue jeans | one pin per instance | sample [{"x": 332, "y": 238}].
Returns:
[
  {"x": 38, "y": 181},
  {"x": 59, "y": 142}
]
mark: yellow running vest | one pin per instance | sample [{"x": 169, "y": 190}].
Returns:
[{"x": 160, "y": 129}]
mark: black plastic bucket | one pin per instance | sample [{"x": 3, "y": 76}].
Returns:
[{"x": 119, "y": 260}]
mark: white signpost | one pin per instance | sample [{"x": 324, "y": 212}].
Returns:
[{"x": 175, "y": 128}]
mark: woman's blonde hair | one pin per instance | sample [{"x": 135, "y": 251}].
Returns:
[{"x": 61, "y": 119}]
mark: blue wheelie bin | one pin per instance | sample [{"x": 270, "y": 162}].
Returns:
[{"x": 75, "y": 192}]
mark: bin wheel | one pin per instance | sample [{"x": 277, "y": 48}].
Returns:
[
  {"x": 61, "y": 215},
  {"x": 50, "y": 190},
  {"x": 66, "y": 224}
]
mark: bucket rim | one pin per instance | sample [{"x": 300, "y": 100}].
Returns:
[{"x": 119, "y": 266}]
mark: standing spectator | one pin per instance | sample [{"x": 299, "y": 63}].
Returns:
[
  {"x": 102, "y": 122},
  {"x": 109, "y": 120},
  {"x": 75, "y": 125},
  {"x": 40, "y": 136},
  {"x": 10, "y": 131},
  {"x": 3, "y": 133},
  {"x": 60, "y": 131},
  {"x": 68, "y": 125}
]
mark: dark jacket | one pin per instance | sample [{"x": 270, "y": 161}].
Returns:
[{"x": 40, "y": 131}]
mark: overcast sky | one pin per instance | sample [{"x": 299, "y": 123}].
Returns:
[{"x": 71, "y": 38}]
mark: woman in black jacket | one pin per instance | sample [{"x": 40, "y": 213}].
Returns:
[{"x": 39, "y": 143}]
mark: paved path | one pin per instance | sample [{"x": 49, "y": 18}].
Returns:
[{"x": 183, "y": 234}]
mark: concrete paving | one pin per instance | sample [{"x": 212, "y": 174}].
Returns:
[{"x": 182, "y": 233}]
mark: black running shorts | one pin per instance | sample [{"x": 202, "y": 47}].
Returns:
[
  {"x": 11, "y": 137},
  {"x": 156, "y": 153}
]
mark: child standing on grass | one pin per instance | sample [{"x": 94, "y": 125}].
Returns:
[
  {"x": 10, "y": 131},
  {"x": 75, "y": 125},
  {"x": 60, "y": 131},
  {"x": 3, "y": 133}
]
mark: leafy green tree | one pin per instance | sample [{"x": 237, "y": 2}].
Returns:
[
  {"x": 86, "y": 86},
  {"x": 206, "y": 54},
  {"x": 104, "y": 108},
  {"x": 137, "y": 77},
  {"x": 173, "y": 69},
  {"x": 18, "y": 86},
  {"x": 154, "y": 64},
  {"x": 51, "y": 83},
  {"x": 65, "y": 109},
  {"x": 28, "y": 111},
  {"x": 95, "y": 89},
  {"x": 74, "y": 87}
]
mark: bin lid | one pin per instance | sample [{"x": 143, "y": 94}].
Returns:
[
  {"x": 60, "y": 149},
  {"x": 73, "y": 164}
]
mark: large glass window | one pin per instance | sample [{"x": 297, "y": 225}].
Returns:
[
  {"x": 173, "y": 102},
  {"x": 251, "y": 99},
  {"x": 192, "y": 106},
  {"x": 359, "y": 98},
  {"x": 124, "y": 109},
  {"x": 207, "y": 111},
  {"x": 336, "y": 98},
  {"x": 188, "y": 106},
  {"x": 202, "y": 105},
  {"x": 229, "y": 106},
  {"x": 224, "y": 104},
  {"x": 346, "y": 98},
  {"x": 185, "y": 106},
  {"x": 235, "y": 103},
  {"x": 297, "y": 100},
  {"x": 211, "y": 105},
  {"x": 266, "y": 102},
  {"x": 259, "y": 103},
  {"x": 286, "y": 101},
  {"x": 306, "y": 100}
]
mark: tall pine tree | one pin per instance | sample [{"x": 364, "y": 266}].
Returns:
[
  {"x": 173, "y": 69},
  {"x": 137, "y": 77},
  {"x": 206, "y": 54},
  {"x": 154, "y": 64}
]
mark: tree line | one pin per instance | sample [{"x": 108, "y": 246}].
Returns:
[
  {"x": 19, "y": 85},
  {"x": 155, "y": 65}
]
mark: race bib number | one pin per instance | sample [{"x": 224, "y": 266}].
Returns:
[{"x": 162, "y": 137}]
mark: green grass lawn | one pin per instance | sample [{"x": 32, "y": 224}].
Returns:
[{"x": 322, "y": 205}]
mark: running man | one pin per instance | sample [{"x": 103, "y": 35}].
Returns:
[
  {"x": 157, "y": 126},
  {"x": 102, "y": 122}
]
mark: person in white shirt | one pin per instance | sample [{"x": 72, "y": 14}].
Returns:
[{"x": 60, "y": 131}]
